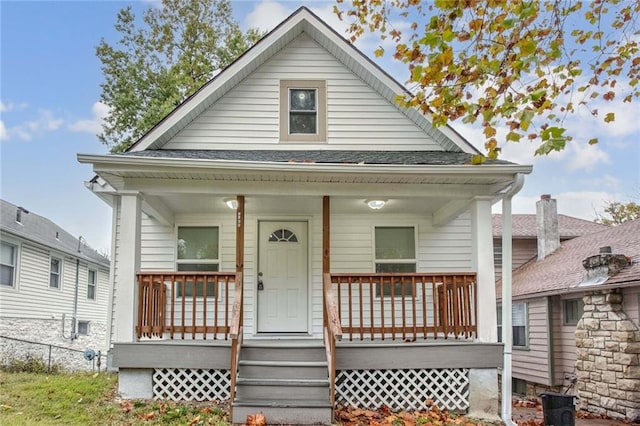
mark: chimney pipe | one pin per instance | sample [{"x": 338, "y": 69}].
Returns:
[{"x": 547, "y": 226}]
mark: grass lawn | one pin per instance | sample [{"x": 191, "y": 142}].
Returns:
[{"x": 89, "y": 399}]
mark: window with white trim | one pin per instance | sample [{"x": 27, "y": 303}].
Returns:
[
  {"x": 519, "y": 314},
  {"x": 572, "y": 310},
  {"x": 8, "y": 260},
  {"x": 197, "y": 251},
  {"x": 92, "y": 284},
  {"x": 303, "y": 110},
  {"x": 55, "y": 272},
  {"x": 395, "y": 251}
]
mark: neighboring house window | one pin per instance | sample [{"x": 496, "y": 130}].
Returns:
[
  {"x": 92, "y": 280},
  {"x": 303, "y": 111},
  {"x": 518, "y": 324},
  {"x": 8, "y": 256},
  {"x": 497, "y": 252},
  {"x": 83, "y": 328},
  {"x": 395, "y": 251},
  {"x": 197, "y": 249},
  {"x": 573, "y": 310},
  {"x": 55, "y": 272}
]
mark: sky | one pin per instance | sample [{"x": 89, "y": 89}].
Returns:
[{"x": 50, "y": 111}]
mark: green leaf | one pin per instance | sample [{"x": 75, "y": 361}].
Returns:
[{"x": 610, "y": 117}]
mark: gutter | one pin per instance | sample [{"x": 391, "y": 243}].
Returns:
[{"x": 507, "y": 331}]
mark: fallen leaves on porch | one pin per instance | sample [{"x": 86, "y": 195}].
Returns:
[{"x": 383, "y": 416}]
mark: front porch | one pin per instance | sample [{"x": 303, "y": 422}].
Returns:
[{"x": 417, "y": 344}]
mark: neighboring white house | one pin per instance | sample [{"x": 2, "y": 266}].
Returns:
[
  {"x": 48, "y": 278},
  {"x": 290, "y": 238}
]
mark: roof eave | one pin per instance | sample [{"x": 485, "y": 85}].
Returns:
[{"x": 118, "y": 161}]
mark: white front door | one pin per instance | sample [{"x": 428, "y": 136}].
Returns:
[{"x": 282, "y": 277}]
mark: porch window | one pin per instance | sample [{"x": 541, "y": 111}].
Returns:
[
  {"x": 8, "y": 255},
  {"x": 519, "y": 314},
  {"x": 303, "y": 111},
  {"x": 395, "y": 251},
  {"x": 573, "y": 310},
  {"x": 92, "y": 281},
  {"x": 197, "y": 249},
  {"x": 54, "y": 272}
]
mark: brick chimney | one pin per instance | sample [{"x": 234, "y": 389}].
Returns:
[{"x": 547, "y": 226}]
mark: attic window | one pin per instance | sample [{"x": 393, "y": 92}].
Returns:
[{"x": 303, "y": 111}]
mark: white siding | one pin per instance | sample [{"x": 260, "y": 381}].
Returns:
[
  {"x": 357, "y": 116},
  {"x": 532, "y": 364},
  {"x": 439, "y": 249},
  {"x": 33, "y": 298}
]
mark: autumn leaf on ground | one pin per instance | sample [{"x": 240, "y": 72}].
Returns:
[
  {"x": 194, "y": 420},
  {"x": 148, "y": 416},
  {"x": 256, "y": 420},
  {"x": 126, "y": 406}
]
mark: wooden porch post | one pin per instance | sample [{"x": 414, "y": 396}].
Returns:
[
  {"x": 240, "y": 235},
  {"x": 326, "y": 235}
]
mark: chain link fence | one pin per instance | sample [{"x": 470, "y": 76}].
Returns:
[{"x": 25, "y": 355}]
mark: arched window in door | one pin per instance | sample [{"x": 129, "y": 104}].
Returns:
[{"x": 283, "y": 236}]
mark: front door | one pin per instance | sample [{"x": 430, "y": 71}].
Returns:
[{"x": 282, "y": 277}]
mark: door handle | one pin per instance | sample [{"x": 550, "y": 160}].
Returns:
[{"x": 260, "y": 283}]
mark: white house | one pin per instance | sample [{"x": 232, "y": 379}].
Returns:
[
  {"x": 289, "y": 238},
  {"x": 54, "y": 291}
]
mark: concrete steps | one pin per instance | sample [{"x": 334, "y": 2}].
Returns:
[{"x": 286, "y": 380}]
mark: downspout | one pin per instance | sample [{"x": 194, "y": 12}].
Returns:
[
  {"x": 507, "y": 331},
  {"x": 75, "y": 295}
]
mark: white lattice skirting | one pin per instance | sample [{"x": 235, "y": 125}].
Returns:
[
  {"x": 183, "y": 384},
  {"x": 404, "y": 389}
]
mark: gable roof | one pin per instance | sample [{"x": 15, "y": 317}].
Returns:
[
  {"x": 41, "y": 230},
  {"x": 524, "y": 226},
  {"x": 562, "y": 271},
  {"x": 302, "y": 20}
]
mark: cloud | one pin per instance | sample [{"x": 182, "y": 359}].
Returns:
[
  {"x": 45, "y": 122},
  {"x": 93, "y": 125},
  {"x": 581, "y": 204},
  {"x": 9, "y": 106},
  {"x": 3, "y": 131},
  {"x": 266, "y": 15}
]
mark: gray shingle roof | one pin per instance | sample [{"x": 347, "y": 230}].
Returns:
[
  {"x": 524, "y": 226},
  {"x": 43, "y": 231},
  {"x": 562, "y": 270},
  {"x": 321, "y": 156}
]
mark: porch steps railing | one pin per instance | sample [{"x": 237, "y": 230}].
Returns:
[{"x": 286, "y": 380}]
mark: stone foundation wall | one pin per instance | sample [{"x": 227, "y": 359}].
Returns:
[
  {"x": 48, "y": 340},
  {"x": 608, "y": 350}
]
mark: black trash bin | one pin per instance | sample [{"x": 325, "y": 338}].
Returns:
[{"x": 559, "y": 409}]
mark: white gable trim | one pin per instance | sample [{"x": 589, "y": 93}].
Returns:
[{"x": 299, "y": 21}]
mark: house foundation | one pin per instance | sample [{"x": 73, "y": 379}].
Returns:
[{"x": 608, "y": 364}]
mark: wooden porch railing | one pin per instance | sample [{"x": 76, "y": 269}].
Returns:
[
  {"x": 332, "y": 331},
  {"x": 186, "y": 304},
  {"x": 404, "y": 305},
  {"x": 236, "y": 332}
]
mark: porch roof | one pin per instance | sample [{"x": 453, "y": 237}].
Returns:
[{"x": 321, "y": 156}]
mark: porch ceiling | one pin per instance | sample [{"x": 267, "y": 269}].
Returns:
[{"x": 181, "y": 204}]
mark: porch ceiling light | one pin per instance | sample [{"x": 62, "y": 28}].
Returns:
[
  {"x": 232, "y": 203},
  {"x": 376, "y": 204}
]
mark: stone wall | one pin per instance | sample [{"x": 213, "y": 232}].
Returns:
[
  {"x": 608, "y": 351},
  {"x": 48, "y": 340}
]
